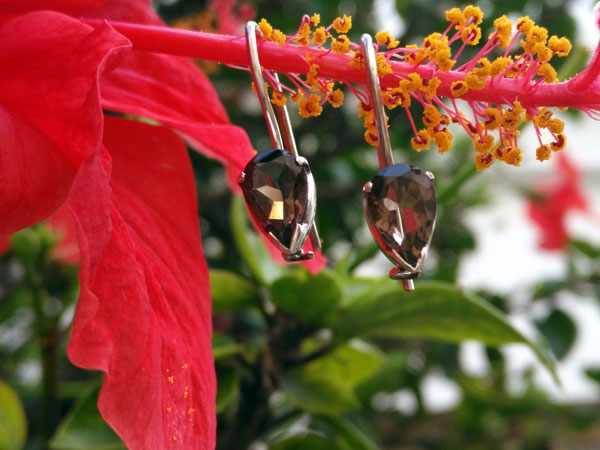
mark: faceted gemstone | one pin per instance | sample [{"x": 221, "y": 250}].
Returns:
[
  {"x": 400, "y": 207},
  {"x": 280, "y": 194}
]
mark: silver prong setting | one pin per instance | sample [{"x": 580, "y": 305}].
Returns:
[{"x": 430, "y": 175}]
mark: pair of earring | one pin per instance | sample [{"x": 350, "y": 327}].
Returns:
[{"x": 279, "y": 189}]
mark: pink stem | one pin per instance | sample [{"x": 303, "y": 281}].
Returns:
[{"x": 291, "y": 59}]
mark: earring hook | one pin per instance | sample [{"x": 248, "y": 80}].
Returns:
[
  {"x": 261, "y": 88},
  {"x": 384, "y": 148},
  {"x": 288, "y": 142}
]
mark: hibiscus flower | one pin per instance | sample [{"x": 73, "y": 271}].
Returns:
[
  {"x": 549, "y": 207},
  {"x": 127, "y": 189}
]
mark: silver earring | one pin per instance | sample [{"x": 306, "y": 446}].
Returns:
[
  {"x": 399, "y": 202},
  {"x": 278, "y": 185}
]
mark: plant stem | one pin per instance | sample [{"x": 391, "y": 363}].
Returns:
[
  {"x": 47, "y": 333},
  {"x": 577, "y": 93}
]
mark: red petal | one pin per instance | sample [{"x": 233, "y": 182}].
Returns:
[
  {"x": 557, "y": 199},
  {"x": 50, "y": 116},
  {"x": 144, "y": 312},
  {"x": 173, "y": 91}
]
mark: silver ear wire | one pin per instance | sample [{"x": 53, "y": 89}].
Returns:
[
  {"x": 384, "y": 148},
  {"x": 281, "y": 141}
]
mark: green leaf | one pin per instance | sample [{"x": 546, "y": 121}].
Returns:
[
  {"x": 224, "y": 346},
  {"x": 560, "y": 331},
  {"x": 228, "y": 387},
  {"x": 231, "y": 292},
  {"x": 433, "y": 311},
  {"x": 253, "y": 251},
  {"x": 303, "y": 442},
  {"x": 13, "y": 425},
  {"x": 390, "y": 377},
  {"x": 345, "y": 434},
  {"x": 84, "y": 428},
  {"x": 326, "y": 385},
  {"x": 593, "y": 373},
  {"x": 309, "y": 298}
]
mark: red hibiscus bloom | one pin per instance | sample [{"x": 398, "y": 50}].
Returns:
[
  {"x": 549, "y": 207},
  {"x": 127, "y": 188}
]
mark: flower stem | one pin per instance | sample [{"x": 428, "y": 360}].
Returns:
[{"x": 292, "y": 59}]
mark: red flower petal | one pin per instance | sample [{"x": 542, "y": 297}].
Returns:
[
  {"x": 174, "y": 92},
  {"x": 143, "y": 316},
  {"x": 555, "y": 200},
  {"x": 50, "y": 116}
]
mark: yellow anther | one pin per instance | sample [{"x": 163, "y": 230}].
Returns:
[
  {"x": 320, "y": 36},
  {"x": 536, "y": 35},
  {"x": 310, "y": 107},
  {"x": 499, "y": 65},
  {"x": 524, "y": 24},
  {"x": 265, "y": 28},
  {"x": 315, "y": 19},
  {"x": 278, "y": 36},
  {"x": 475, "y": 82},
  {"x": 513, "y": 156},
  {"x": 503, "y": 28},
  {"x": 383, "y": 67},
  {"x": 455, "y": 15},
  {"x": 303, "y": 37},
  {"x": 543, "y": 153},
  {"x": 542, "y": 119},
  {"x": 559, "y": 143},
  {"x": 459, "y": 88},
  {"x": 341, "y": 44},
  {"x": 422, "y": 141},
  {"x": 471, "y": 34},
  {"x": 278, "y": 98},
  {"x": 560, "y": 46},
  {"x": 512, "y": 118},
  {"x": 429, "y": 87},
  {"x": 371, "y": 137},
  {"x": 296, "y": 97},
  {"x": 556, "y": 126},
  {"x": 473, "y": 13},
  {"x": 483, "y": 160},
  {"x": 342, "y": 24},
  {"x": 483, "y": 144},
  {"x": 548, "y": 72},
  {"x": 336, "y": 98},
  {"x": 431, "y": 116},
  {"x": 358, "y": 61},
  {"x": 492, "y": 117},
  {"x": 443, "y": 140},
  {"x": 385, "y": 38}
]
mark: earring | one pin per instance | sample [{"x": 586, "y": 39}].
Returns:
[
  {"x": 399, "y": 202},
  {"x": 277, "y": 184}
]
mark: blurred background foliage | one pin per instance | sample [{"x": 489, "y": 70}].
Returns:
[{"x": 325, "y": 370}]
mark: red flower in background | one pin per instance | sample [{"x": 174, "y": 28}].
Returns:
[
  {"x": 548, "y": 209},
  {"x": 128, "y": 190}
]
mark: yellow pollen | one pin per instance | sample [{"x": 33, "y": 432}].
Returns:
[
  {"x": 342, "y": 24},
  {"x": 170, "y": 379},
  {"x": 168, "y": 409},
  {"x": 191, "y": 411},
  {"x": 315, "y": 19}
]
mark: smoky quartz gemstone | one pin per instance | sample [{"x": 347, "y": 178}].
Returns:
[
  {"x": 280, "y": 194},
  {"x": 400, "y": 208}
]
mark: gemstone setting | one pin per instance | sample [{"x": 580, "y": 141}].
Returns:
[
  {"x": 400, "y": 208},
  {"x": 280, "y": 193}
]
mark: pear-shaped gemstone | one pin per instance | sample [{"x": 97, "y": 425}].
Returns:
[
  {"x": 400, "y": 206},
  {"x": 280, "y": 194}
]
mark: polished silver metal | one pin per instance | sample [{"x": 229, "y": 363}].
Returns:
[
  {"x": 430, "y": 175},
  {"x": 281, "y": 139},
  {"x": 403, "y": 270},
  {"x": 383, "y": 138}
]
